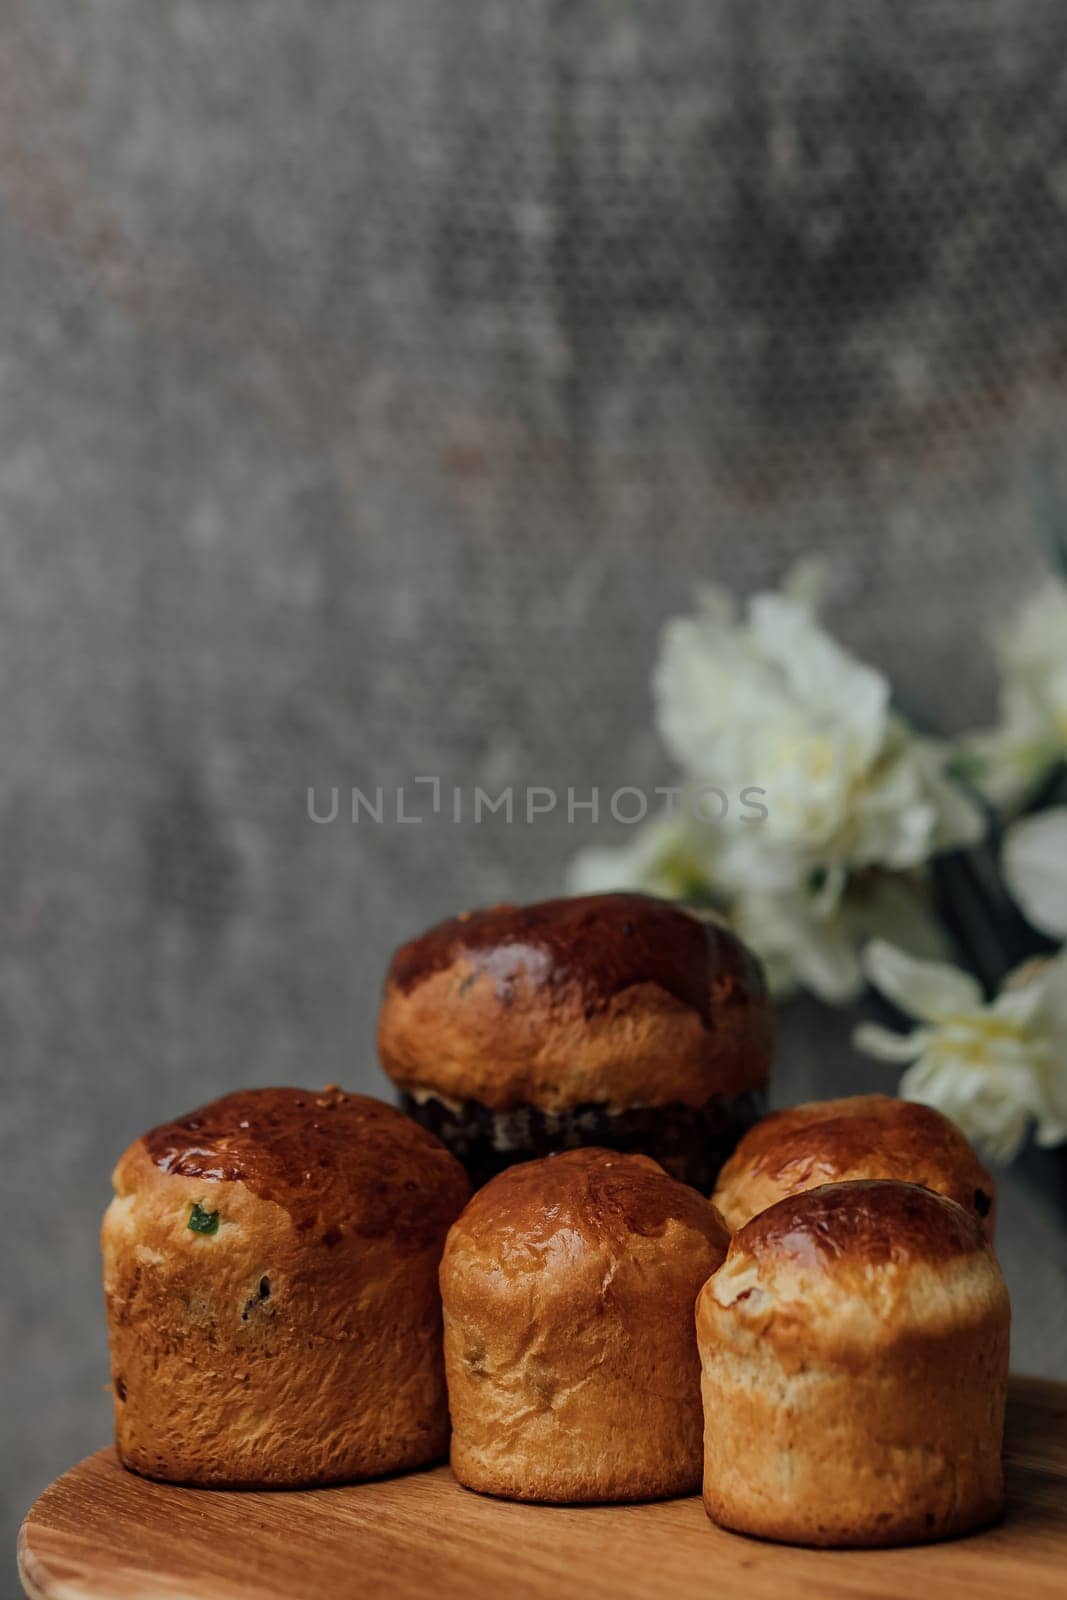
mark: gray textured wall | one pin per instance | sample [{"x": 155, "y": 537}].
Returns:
[{"x": 373, "y": 383}]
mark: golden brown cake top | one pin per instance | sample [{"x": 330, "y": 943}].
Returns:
[
  {"x": 864, "y": 1128},
  {"x": 598, "y": 944},
  {"x": 868, "y": 1222},
  {"x": 860, "y": 1136},
  {"x": 588, "y": 1197},
  {"x": 322, "y": 1156}
]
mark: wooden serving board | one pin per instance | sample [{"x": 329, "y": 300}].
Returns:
[{"x": 100, "y": 1533}]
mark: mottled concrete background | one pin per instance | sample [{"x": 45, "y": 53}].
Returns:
[{"x": 374, "y": 380}]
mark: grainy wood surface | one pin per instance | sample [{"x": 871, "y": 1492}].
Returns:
[{"x": 101, "y": 1534}]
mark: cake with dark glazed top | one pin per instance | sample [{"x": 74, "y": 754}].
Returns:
[
  {"x": 860, "y": 1136},
  {"x": 270, "y": 1272},
  {"x": 597, "y": 945},
  {"x": 617, "y": 1020},
  {"x": 860, "y": 1224},
  {"x": 854, "y": 1350},
  {"x": 321, "y": 1156}
]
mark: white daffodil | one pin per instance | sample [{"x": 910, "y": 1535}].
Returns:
[
  {"x": 1009, "y": 761},
  {"x": 854, "y": 799},
  {"x": 679, "y": 860},
  {"x": 669, "y": 856},
  {"x": 804, "y": 942},
  {"x": 1034, "y": 862},
  {"x": 808, "y": 936},
  {"x": 773, "y": 701},
  {"x": 812, "y": 939},
  {"x": 993, "y": 1067}
]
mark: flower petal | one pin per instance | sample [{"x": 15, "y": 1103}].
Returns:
[
  {"x": 885, "y": 1045},
  {"x": 711, "y": 687},
  {"x": 960, "y": 821},
  {"x": 663, "y": 856},
  {"x": 928, "y": 990},
  {"x": 827, "y": 964},
  {"x": 1034, "y": 860},
  {"x": 807, "y": 582},
  {"x": 822, "y": 676}
]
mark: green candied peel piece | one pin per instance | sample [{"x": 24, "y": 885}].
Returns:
[{"x": 202, "y": 1221}]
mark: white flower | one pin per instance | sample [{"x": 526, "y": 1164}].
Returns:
[
  {"x": 812, "y": 939},
  {"x": 992, "y": 1067},
  {"x": 807, "y": 937},
  {"x": 799, "y": 948},
  {"x": 773, "y": 702},
  {"x": 669, "y": 856},
  {"x": 1034, "y": 862},
  {"x": 1009, "y": 761},
  {"x": 856, "y": 802}
]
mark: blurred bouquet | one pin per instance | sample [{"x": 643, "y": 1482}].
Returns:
[{"x": 864, "y": 852}]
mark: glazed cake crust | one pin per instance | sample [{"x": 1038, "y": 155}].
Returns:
[
  {"x": 842, "y": 1228},
  {"x": 861, "y": 1136},
  {"x": 617, "y": 1000},
  {"x": 270, "y": 1271},
  {"x": 319, "y": 1156},
  {"x": 568, "y": 1287}
]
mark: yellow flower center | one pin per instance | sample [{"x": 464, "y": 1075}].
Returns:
[{"x": 983, "y": 1028}]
